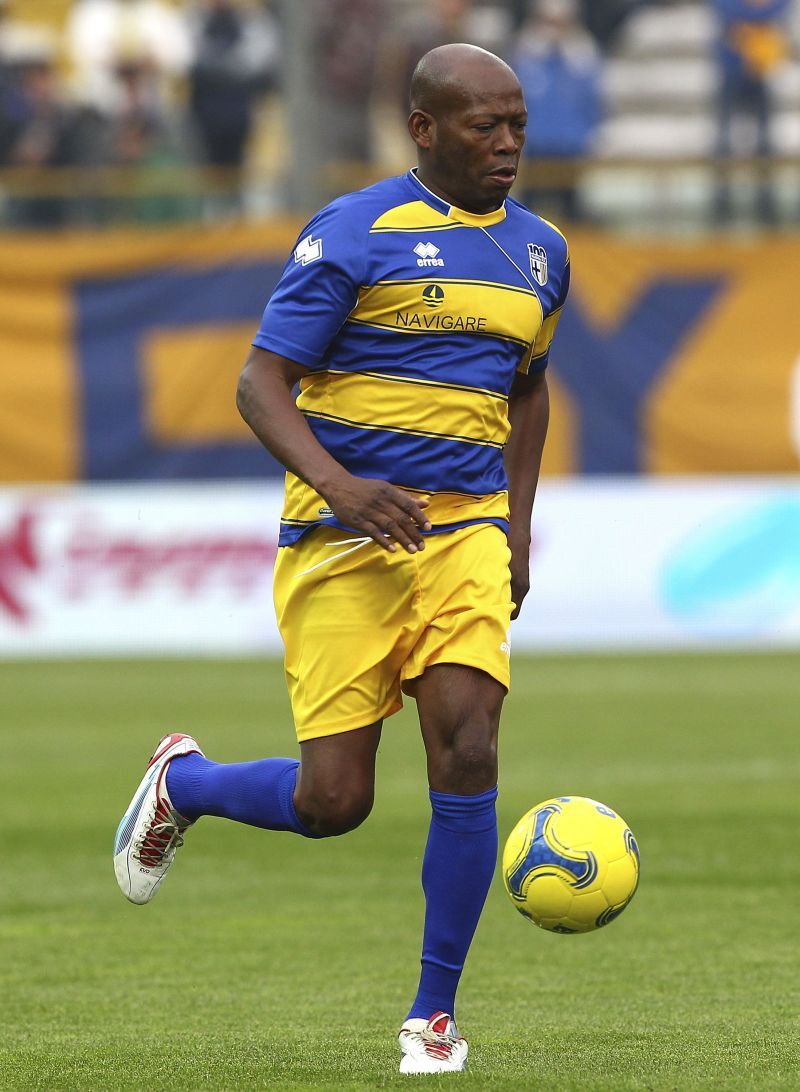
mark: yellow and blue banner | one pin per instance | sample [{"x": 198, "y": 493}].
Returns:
[{"x": 119, "y": 354}]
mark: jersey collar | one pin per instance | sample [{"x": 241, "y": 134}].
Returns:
[{"x": 473, "y": 219}]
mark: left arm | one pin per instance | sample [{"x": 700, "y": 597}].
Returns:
[{"x": 528, "y": 413}]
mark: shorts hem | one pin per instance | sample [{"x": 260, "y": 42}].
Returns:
[
  {"x": 461, "y": 661},
  {"x": 348, "y": 724}
]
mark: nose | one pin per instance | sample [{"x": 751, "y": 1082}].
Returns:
[{"x": 509, "y": 140}]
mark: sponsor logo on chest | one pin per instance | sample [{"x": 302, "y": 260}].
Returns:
[{"x": 433, "y": 297}]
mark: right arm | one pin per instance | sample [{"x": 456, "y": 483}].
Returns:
[{"x": 369, "y": 505}]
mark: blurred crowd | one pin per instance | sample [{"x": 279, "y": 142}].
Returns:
[
  {"x": 130, "y": 84},
  {"x": 152, "y": 84}
]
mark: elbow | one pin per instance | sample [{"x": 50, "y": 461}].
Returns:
[{"x": 243, "y": 394}]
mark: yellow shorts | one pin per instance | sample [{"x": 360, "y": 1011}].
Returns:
[{"x": 360, "y": 627}]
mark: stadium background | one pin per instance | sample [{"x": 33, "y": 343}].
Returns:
[
  {"x": 130, "y": 286},
  {"x": 138, "y": 524}
]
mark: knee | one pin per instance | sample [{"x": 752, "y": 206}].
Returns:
[
  {"x": 469, "y": 764},
  {"x": 474, "y": 767},
  {"x": 330, "y": 812}
]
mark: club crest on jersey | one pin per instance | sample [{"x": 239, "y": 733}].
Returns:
[
  {"x": 433, "y": 295},
  {"x": 308, "y": 250},
  {"x": 538, "y": 259},
  {"x": 426, "y": 254}
]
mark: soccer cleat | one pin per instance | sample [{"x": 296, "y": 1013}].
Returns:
[
  {"x": 432, "y": 1046},
  {"x": 151, "y": 831}
]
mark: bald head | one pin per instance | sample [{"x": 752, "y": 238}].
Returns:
[
  {"x": 468, "y": 122},
  {"x": 447, "y": 75}
]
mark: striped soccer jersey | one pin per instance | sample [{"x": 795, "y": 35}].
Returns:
[{"x": 413, "y": 318}]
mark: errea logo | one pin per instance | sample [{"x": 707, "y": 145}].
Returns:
[
  {"x": 308, "y": 250},
  {"x": 426, "y": 254}
]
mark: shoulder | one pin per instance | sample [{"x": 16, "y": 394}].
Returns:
[
  {"x": 338, "y": 235},
  {"x": 540, "y": 231},
  {"x": 356, "y": 212}
]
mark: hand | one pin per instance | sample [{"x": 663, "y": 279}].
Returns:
[
  {"x": 520, "y": 573},
  {"x": 387, "y": 514}
]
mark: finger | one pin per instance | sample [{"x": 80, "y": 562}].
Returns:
[
  {"x": 377, "y": 534},
  {"x": 404, "y": 532},
  {"x": 413, "y": 509}
]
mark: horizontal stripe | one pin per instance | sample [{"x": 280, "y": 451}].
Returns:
[
  {"x": 416, "y": 229},
  {"x": 442, "y": 281},
  {"x": 546, "y": 334},
  {"x": 422, "y": 382},
  {"x": 462, "y": 359},
  {"x": 303, "y": 508},
  {"x": 436, "y": 307},
  {"x": 398, "y": 405},
  {"x": 537, "y": 356},
  {"x": 399, "y": 430},
  {"x": 434, "y": 332},
  {"x": 426, "y": 463},
  {"x": 290, "y": 533}
]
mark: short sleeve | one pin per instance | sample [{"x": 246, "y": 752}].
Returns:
[
  {"x": 317, "y": 290},
  {"x": 536, "y": 359}
]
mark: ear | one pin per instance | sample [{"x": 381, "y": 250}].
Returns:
[{"x": 422, "y": 127}]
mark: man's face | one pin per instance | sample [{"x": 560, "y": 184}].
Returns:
[{"x": 472, "y": 144}]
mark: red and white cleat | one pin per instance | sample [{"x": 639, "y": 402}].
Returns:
[
  {"x": 151, "y": 831},
  {"x": 432, "y": 1046}
]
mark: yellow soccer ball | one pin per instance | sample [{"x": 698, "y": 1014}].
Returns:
[{"x": 571, "y": 865}]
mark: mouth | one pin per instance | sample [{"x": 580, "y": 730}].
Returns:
[{"x": 504, "y": 175}]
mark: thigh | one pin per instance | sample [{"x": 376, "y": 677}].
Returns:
[
  {"x": 336, "y": 780},
  {"x": 347, "y": 623},
  {"x": 342, "y": 764}
]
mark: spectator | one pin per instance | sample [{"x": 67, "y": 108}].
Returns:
[
  {"x": 98, "y": 32},
  {"x": 139, "y": 130},
  {"x": 442, "y": 22},
  {"x": 753, "y": 42},
  {"x": 349, "y": 34},
  {"x": 235, "y": 49},
  {"x": 559, "y": 67},
  {"x": 604, "y": 18},
  {"x": 128, "y": 57},
  {"x": 38, "y": 129}
]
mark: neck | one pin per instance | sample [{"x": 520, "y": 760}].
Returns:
[{"x": 468, "y": 205}]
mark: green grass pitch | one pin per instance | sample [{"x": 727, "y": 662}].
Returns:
[{"x": 271, "y": 962}]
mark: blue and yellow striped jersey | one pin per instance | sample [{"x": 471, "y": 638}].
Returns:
[{"x": 413, "y": 318}]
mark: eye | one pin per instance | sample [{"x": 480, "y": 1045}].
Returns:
[{"x": 486, "y": 128}]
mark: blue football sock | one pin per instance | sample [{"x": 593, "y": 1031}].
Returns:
[
  {"x": 456, "y": 873},
  {"x": 260, "y": 793}
]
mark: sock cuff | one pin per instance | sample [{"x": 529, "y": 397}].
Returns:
[
  {"x": 286, "y": 786},
  {"x": 465, "y": 813}
]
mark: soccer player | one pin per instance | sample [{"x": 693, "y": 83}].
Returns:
[{"x": 417, "y": 317}]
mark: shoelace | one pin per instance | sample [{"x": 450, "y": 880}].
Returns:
[
  {"x": 436, "y": 1044},
  {"x": 163, "y": 835}
]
